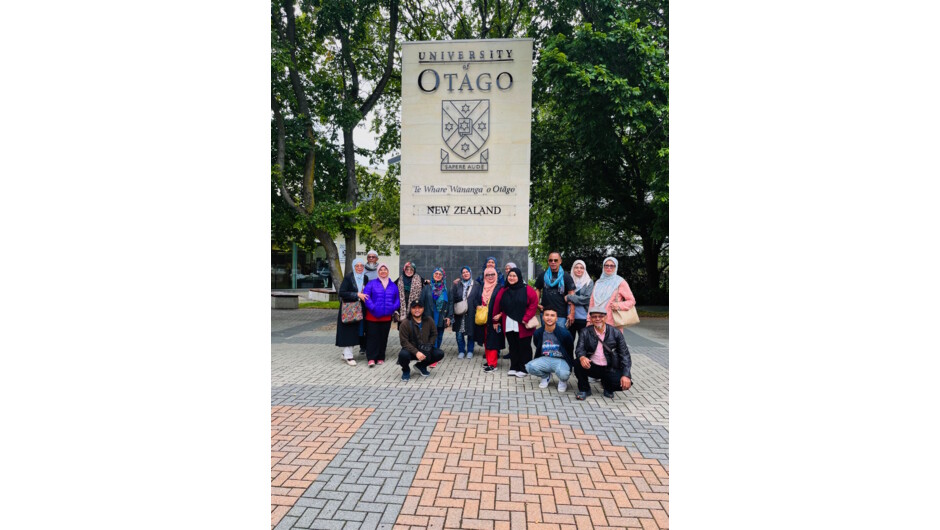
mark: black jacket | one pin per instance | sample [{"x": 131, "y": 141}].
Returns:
[
  {"x": 493, "y": 340},
  {"x": 615, "y": 348},
  {"x": 348, "y": 334},
  {"x": 410, "y": 336},
  {"x": 564, "y": 336}
]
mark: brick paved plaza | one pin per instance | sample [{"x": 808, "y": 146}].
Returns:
[{"x": 354, "y": 447}]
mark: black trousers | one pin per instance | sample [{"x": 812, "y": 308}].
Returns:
[
  {"x": 377, "y": 339},
  {"x": 575, "y": 329},
  {"x": 610, "y": 379},
  {"x": 405, "y": 357},
  {"x": 520, "y": 351}
]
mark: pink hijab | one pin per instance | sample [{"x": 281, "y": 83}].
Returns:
[{"x": 489, "y": 285}]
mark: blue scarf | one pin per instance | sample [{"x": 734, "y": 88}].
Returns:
[{"x": 559, "y": 279}]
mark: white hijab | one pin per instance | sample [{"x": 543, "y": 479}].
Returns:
[
  {"x": 607, "y": 284},
  {"x": 585, "y": 277}
]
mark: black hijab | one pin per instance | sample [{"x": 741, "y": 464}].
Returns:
[{"x": 514, "y": 299}]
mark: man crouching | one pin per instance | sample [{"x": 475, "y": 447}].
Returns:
[
  {"x": 602, "y": 353},
  {"x": 418, "y": 335}
]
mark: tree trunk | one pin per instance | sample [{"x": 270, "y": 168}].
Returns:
[
  {"x": 352, "y": 192},
  {"x": 332, "y": 257},
  {"x": 651, "y": 250}
]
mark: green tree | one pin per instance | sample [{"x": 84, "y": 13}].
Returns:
[
  {"x": 332, "y": 63},
  {"x": 600, "y": 159}
]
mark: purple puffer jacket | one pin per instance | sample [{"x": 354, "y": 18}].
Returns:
[{"x": 381, "y": 302}]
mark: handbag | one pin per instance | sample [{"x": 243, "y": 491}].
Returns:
[
  {"x": 351, "y": 312},
  {"x": 533, "y": 322},
  {"x": 482, "y": 315},
  {"x": 625, "y": 317},
  {"x": 460, "y": 307}
]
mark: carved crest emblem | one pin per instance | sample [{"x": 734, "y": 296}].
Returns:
[{"x": 465, "y": 125}]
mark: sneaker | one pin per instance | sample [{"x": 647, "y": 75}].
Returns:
[
  {"x": 511, "y": 372},
  {"x": 583, "y": 395},
  {"x": 521, "y": 374},
  {"x": 406, "y": 376},
  {"x": 593, "y": 380},
  {"x": 351, "y": 362},
  {"x": 433, "y": 365},
  {"x": 461, "y": 355},
  {"x": 544, "y": 382},
  {"x": 424, "y": 371},
  {"x": 562, "y": 386},
  {"x": 489, "y": 369},
  {"x": 371, "y": 364},
  {"x": 381, "y": 362},
  {"x": 469, "y": 355},
  {"x": 608, "y": 394}
]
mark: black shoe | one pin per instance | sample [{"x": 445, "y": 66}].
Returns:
[
  {"x": 608, "y": 394},
  {"x": 424, "y": 371},
  {"x": 583, "y": 395},
  {"x": 489, "y": 369}
]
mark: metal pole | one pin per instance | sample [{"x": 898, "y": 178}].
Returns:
[{"x": 293, "y": 266}]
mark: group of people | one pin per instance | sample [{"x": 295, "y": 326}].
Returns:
[{"x": 497, "y": 310}]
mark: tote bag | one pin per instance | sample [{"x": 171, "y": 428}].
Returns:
[
  {"x": 351, "y": 312},
  {"x": 482, "y": 315},
  {"x": 625, "y": 317}
]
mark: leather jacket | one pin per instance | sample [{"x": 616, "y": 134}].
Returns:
[{"x": 615, "y": 348}]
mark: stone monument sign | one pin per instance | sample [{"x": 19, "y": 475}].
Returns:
[{"x": 466, "y": 115}]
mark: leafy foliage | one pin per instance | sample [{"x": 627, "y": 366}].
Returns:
[{"x": 600, "y": 166}]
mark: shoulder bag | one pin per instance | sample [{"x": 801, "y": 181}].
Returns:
[
  {"x": 482, "y": 315},
  {"x": 351, "y": 312},
  {"x": 625, "y": 317},
  {"x": 460, "y": 307}
]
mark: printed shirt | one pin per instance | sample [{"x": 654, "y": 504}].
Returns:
[
  {"x": 551, "y": 347},
  {"x": 598, "y": 356}
]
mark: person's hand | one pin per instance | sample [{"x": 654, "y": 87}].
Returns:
[
  {"x": 363, "y": 296},
  {"x": 585, "y": 363},
  {"x": 421, "y": 356},
  {"x": 496, "y": 325},
  {"x": 446, "y": 322},
  {"x": 541, "y": 308},
  {"x": 569, "y": 321},
  {"x": 625, "y": 383}
]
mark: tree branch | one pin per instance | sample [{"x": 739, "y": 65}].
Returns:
[
  {"x": 281, "y": 155},
  {"x": 389, "y": 62}
]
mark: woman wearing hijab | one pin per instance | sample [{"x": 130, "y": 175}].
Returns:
[
  {"x": 409, "y": 289},
  {"x": 491, "y": 262},
  {"x": 351, "y": 334},
  {"x": 611, "y": 291},
  {"x": 487, "y": 335},
  {"x": 381, "y": 303},
  {"x": 516, "y": 303},
  {"x": 581, "y": 298},
  {"x": 442, "y": 310},
  {"x": 463, "y": 324}
]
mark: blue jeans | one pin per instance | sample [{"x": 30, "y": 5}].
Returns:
[
  {"x": 440, "y": 337},
  {"x": 546, "y": 366},
  {"x": 463, "y": 344}
]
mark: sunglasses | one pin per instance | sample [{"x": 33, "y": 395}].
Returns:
[{"x": 553, "y": 260}]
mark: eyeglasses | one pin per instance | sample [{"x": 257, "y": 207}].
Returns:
[
  {"x": 490, "y": 275},
  {"x": 609, "y": 265},
  {"x": 553, "y": 260}
]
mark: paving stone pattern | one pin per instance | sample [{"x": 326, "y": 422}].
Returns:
[{"x": 401, "y": 428}]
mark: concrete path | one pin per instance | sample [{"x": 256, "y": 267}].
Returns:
[{"x": 354, "y": 447}]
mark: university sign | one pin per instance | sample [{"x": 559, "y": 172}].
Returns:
[{"x": 465, "y": 146}]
